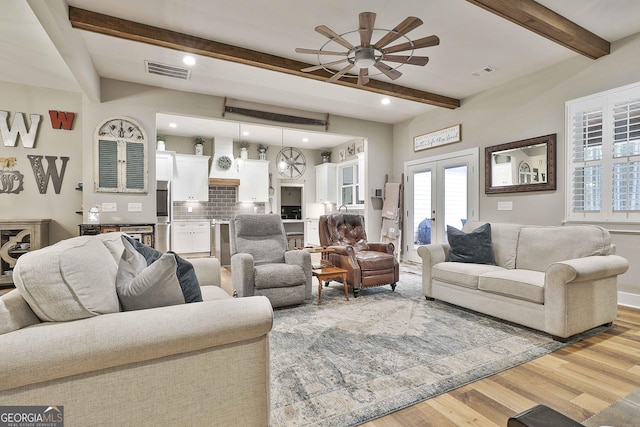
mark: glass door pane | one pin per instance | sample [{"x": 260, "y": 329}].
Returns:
[{"x": 455, "y": 197}]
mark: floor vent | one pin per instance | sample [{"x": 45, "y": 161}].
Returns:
[{"x": 167, "y": 70}]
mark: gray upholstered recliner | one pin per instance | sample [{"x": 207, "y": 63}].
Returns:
[{"x": 261, "y": 263}]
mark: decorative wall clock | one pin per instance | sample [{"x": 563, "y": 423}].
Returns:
[{"x": 291, "y": 163}]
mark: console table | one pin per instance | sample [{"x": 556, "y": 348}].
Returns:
[
  {"x": 144, "y": 233},
  {"x": 16, "y": 239}
]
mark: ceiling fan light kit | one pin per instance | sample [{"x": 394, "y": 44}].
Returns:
[{"x": 367, "y": 55}]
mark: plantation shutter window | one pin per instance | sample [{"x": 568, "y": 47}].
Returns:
[
  {"x": 121, "y": 165},
  {"x": 603, "y": 169}
]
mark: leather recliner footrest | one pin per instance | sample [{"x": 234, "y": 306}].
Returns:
[{"x": 542, "y": 416}]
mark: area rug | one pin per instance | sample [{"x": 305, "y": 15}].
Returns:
[{"x": 343, "y": 363}]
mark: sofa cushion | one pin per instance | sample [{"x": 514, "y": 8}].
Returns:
[
  {"x": 526, "y": 285},
  {"x": 278, "y": 276},
  {"x": 473, "y": 247},
  {"x": 539, "y": 247},
  {"x": 373, "y": 260},
  {"x": 463, "y": 274},
  {"x": 15, "y": 313},
  {"x": 73, "y": 279},
  {"x": 140, "y": 286},
  {"x": 504, "y": 241},
  {"x": 185, "y": 272}
]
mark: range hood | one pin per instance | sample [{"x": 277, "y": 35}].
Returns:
[{"x": 219, "y": 176}]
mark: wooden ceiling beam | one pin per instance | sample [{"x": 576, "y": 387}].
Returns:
[
  {"x": 129, "y": 30},
  {"x": 547, "y": 23}
]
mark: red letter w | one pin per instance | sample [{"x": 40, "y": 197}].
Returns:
[{"x": 61, "y": 119}]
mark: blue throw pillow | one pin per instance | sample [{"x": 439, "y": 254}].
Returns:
[
  {"x": 474, "y": 247},
  {"x": 185, "y": 272}
]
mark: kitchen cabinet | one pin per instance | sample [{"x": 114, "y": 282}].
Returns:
[
  {"x": 164, "y": 165},
  {"x": 191, "y": 179},
  {"x": 326, "y": 183},
  {"x": 254, "y": 181},
  {"x": 312, "y": 232},
  {"x": 191, "y": 237},
  {"x": 16, "y": 239}
]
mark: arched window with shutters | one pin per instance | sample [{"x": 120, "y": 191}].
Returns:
[{"x": 120, "y": 156}]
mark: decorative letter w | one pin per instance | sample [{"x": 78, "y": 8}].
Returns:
[
  {"x": 10, "y": 137},
  {"x": 61, "y": 119},
  {"x": 42, "y": 177}
]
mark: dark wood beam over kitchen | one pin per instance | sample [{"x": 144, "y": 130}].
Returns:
[
  {"x": 547, "y": 23},
  {"x": 134, "y": 31}
]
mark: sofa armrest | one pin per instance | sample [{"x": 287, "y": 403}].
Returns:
[
  {"x": 242, "y": 276},
  {"x": 50, "y": 350},
  {"x": 207, "y": 271},
  {"x": 587, "y": 268},
  {"x": 431, "y": 255},
  {"x": 303, "y": 258}
]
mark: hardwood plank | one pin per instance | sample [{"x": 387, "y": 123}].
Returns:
[
  {"x": 482, "y": 404},
  {"x": 590, "y": 403},
  {"x": 462, "y": 415}
]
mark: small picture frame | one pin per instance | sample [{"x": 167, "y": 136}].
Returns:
[{"x": 342, "y": 155}]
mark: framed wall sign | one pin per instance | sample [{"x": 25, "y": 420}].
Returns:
[{"x": 436, "y": 138}]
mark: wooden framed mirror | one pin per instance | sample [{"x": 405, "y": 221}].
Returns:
[{"x": 527, "y": 165}]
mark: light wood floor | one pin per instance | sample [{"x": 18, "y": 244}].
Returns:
[{"x": 578, "y": 381}]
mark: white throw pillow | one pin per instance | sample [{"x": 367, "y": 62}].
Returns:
[{"x": 73, "y": 279}]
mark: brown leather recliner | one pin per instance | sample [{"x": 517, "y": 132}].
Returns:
[{"x": 367, "y": 264}]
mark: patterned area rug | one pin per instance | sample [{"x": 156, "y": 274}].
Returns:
[{"x": 343, "y": 363}]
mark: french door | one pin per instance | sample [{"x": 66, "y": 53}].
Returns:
[{"x": 439, "y": 191}]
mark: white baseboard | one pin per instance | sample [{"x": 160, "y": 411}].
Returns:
[{"x": 629, "y": 300}]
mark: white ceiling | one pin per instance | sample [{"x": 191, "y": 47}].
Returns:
[{"x": 470, "y": 40}]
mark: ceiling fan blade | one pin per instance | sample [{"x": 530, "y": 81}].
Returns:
[
  {"x": 326, "y": 64},
  {"x": 363, "y": 76},
  {"x": 387, "y": 71},
  {"x": 320, "y": 52},
  {"x": 340, "y": 73},
  {"x": 413, "y": 60},
  {"x": 327, "y": 32},
  {"x": 416, "y": 44},
  {"x": 367, "y": 21},
  {"x": 400, "y": 30}
]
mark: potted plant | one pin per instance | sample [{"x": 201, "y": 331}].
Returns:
[
  {"x": 262, "y": 151},
  {"x": 199, "y": 144},
  {"x": 326, "y": 156},
  {"x": 243, "y": 149},
  {"x": 161, "y": 142}
]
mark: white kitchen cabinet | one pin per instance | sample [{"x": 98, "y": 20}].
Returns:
[
  {"x": 191, "y": 179},
  {"x": 312, "y": 232},
  {"x": 164, "y": 165},
  {"x": 326, "y": 183},
  {"x": 254, "y": 181},
  {"x": 191, "y": 237}
]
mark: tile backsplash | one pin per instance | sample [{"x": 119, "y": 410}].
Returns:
[{"x": 222, "y": 204}]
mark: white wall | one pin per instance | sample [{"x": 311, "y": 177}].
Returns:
[
  {"x": 29, "y": 203},
  {"x": 527, "y": 107}
]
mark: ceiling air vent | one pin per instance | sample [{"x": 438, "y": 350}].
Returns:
[{"x": 167, "y": 70}]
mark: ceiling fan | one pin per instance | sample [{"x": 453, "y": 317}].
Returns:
[{"x": 366, "y": 54}]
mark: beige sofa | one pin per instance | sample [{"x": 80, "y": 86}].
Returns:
[
  {"x": 560, "y": 280},
  {"x": 198, "y": 364}
]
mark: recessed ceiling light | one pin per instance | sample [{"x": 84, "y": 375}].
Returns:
[
  {"x": 189, "y": 60},
  {"x": 173, "y": 125},
  {"x": 305, "y": 139},
  {"x": 385, "y": 101},
  {"x": 246, "y": 133}
]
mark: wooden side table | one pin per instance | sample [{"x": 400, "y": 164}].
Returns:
[{"x": 330, "y": 273}]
